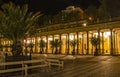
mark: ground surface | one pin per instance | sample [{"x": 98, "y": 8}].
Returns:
[{"x": 82, "y": 66}]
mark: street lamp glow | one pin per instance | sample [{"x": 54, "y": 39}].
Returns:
[
  {"x": 71, "y": 37},
  {"x": 84, "y": 24}
]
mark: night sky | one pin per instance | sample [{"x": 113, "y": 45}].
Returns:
[{"x": 53, "y": 6}]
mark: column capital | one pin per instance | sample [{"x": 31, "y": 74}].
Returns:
[
  {"x": 98, "y": 29},
  {"x": 111, "y": 28},
  {"x": 87, "y": 31},
  {"x": 77, "y": 32},
  {"x": 46, "y": 35},
  {"x": 60, "y": 34}
]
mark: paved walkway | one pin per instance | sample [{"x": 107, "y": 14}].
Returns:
[{"x": 82, "y": 66}]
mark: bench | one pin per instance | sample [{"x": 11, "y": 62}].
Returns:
[
  {"x": 24, "y": 65},
  {"x": 55, "y": 62}
]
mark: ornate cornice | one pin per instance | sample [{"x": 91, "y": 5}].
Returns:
[{"x": 78, "y": 28}]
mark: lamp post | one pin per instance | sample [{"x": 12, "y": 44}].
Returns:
[
  {"x": 1, "y": 36},
  {"x": 25, "y": 45},
  {"x": 31, "y": 46}
]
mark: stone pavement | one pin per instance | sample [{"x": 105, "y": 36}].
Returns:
[{"x": 82, "y": 66}]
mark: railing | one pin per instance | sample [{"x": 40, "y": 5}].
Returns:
[
  {"x": 80, "y": 23},
  {"x": 24, "y": 66},
  {"x": 105, "y": 20},
  {"x": 55, "y": 62}
]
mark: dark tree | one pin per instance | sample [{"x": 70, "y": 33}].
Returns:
[{"x": 16, "y": 23}]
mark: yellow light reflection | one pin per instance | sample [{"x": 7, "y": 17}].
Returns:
[
  {"x": 71, "y": 37},
  {"x": 45, "y": 39},
  {"x": 106, "y": 34},
  {"x": 64, "y": 37},
  {"x": 50, "y": 39}
]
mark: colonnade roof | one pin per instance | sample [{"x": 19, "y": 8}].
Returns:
[{"x": 76, "y": 27}]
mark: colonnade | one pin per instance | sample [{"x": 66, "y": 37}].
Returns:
[{"x": 109, "y": 42}]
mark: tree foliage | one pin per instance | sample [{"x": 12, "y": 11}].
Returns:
[
  {"x": 109, "y": 8},
  {"x": 73, "y": 43},
  {"x": 42, "y": 45},
  {"x": 103, "y": 10},
  {"x": 95, "y": 41},
  {"x": 16, "y": 22},
  {"x": 92, "y": 12},
  {"x": 56, "y": 43}
]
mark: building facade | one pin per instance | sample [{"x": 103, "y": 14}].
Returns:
[{"x": 82, "y": 31}]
